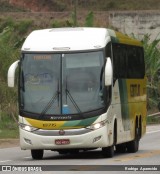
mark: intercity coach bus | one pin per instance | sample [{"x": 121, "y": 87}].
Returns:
[{"x": 80, "y": 89}]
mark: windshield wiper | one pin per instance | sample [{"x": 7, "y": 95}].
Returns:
[
  {"x": 51, "y": 102},
  {"x": 72, "y": 100}
]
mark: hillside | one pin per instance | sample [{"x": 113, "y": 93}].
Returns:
[
  {"x": 5, "y": 6},
  {"x": 68, "y": 5}
]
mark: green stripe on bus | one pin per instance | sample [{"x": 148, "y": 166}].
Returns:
[
  {"x": 80, "y": 123},
  {"x": 124, "y": 103}
]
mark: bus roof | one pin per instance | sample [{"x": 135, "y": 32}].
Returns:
[{"x": 73, "y": 39}]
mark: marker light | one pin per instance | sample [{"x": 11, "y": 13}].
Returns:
[
  {"x": 97, "y": 139},
  {"x": 28, "y": 141}
]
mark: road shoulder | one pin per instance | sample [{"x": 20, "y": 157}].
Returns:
[{"x": 6, "y": 143}]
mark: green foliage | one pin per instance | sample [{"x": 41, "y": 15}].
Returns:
[
  {"x": 11, "y": 38},
  {"x": 152, "y": 61},
  {"x": 8, "y": 128},
  {"x": 23, "y": 26},
  {"x": 89, "y": 20},
  {"x": 153, "y": 120},
  {"x": 59, "y": 24},
  {"x": 8, "y": 22},
  {"x": 8, "y": 53}
]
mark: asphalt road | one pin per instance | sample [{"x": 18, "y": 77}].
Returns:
[{"x": 88, "y": 162}]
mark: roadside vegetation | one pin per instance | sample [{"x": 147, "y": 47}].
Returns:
[
  {"x": 13, "y": 34},
  {"x": 152, "y": 61},
  {"x": 67, "y": 5},
  {"x": 6, "y": 7}
]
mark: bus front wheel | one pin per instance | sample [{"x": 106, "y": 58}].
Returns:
[
  {"x": 37, "y": 154},
  {"x": 133, "y": 146},
  {"x": 108, "y": 152}
]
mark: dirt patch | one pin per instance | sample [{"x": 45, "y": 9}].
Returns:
[{"x": 6, "y": 143}]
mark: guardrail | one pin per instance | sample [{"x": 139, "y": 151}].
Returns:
[
  {"x": 155, "y": 114},
  {"x": 153, "y": 118}
]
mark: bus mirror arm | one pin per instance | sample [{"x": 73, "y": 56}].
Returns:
[
  {"x": 114, "y": 80},
  {"x": 108, "y": 72},
  {"x": 11, "y": 73}
]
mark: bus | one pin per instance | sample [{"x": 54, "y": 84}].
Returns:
[{"x": 80, "y": 89}]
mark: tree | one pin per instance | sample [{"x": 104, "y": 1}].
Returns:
[{"x": 152, "y": 61}]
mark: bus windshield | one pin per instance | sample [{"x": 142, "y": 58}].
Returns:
[{"x": 56, "y": 84}]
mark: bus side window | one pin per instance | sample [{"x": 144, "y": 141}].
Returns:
[
  {"x": 131, "y": 62},
  {"x": 135, "y": 59},
  {"x": 119, "y": 61}
]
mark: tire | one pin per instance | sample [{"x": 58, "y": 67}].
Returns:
[
  {"x": 140, "y": 128},
  {"x": 108, "y": 152},
  {"x": 133, "y": 146},
  {"x": 37, "y": 154},
  {"x": 121, "y": 148}
]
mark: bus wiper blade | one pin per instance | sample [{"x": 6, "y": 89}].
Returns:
[
  {"x": 73, "y": 101},
  {"x": 50, "y": 103}
]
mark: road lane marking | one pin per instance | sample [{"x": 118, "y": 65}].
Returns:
[
  {"x": 28, "y": 157},
  {"x": 137, "y": 156},
  {"x": 8, "y": 148},
  {"x": 5, "y": 161},
  {"x": 151, "y": 132}
]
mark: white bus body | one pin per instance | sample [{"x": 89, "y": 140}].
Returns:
[{"x": 80, "y": 88}]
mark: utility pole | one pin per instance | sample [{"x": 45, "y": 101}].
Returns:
[{"x": 75, "y": 12}]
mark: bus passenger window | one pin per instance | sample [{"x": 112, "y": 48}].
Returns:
[{"x": 119, "y": 61}]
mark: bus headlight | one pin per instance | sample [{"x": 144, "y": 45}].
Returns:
[
  {"x": 27, "y": 127},
  {"x": 97, "y": 125}
]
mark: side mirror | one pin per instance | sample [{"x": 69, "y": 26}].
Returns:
[
  {"x": 108, "y": 72},
  {"x": 11, "y": 73}
]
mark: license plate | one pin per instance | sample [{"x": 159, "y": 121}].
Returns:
[{"x": 62, "y": 141}]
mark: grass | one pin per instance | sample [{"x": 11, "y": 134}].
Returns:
[
  {"x": 8, "y": 128},
  {"x": 7, "y": 134},
  {"x": 153, "y": 120}
]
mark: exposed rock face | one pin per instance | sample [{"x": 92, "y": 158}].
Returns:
[{"x": 137, "y": 22}]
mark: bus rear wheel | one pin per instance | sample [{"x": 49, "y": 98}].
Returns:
[{"x": 37, "y": 154}]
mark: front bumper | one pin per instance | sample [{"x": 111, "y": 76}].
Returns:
[{"x": 86, "y": 139}]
